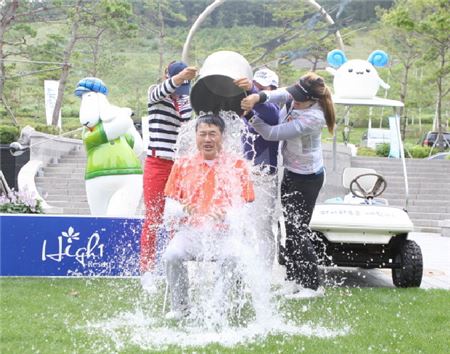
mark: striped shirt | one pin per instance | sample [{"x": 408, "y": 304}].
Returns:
[{"x": 165, "y": 116}]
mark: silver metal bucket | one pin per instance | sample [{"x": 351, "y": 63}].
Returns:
[{"x": 214, "y": 89}]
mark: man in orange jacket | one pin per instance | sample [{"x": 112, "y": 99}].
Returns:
[{"x": 201, "y": 191}]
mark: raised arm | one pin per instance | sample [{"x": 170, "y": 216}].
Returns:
[
  {"x": 157, "y": 92},
  {"x": 278, "y": 96},
  {"x": 168, "y": 86},
  {"x": 304, "y": 124}
]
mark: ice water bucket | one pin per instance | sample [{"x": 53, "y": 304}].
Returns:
[{"x": 214, "y": 89}]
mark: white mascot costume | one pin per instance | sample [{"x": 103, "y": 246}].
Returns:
[
  {"x": 113, "y": 170},
  {"x": 356, "y": 78}
]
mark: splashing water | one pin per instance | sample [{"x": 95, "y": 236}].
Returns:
[
  {"x": 137, "y": 329},
  {"x": 228, "y": 306}
]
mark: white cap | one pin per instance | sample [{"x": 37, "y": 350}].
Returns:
[{"x": 266, "y": 77}]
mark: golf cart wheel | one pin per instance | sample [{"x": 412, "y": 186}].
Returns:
[{"x": 409, "y": 273}]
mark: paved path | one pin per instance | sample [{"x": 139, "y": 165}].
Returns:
[{"x": 436, "y": 273}]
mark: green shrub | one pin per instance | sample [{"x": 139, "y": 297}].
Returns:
[
  {"x": 383, "y": 150},
  {"x": 48, "y": 129},
  {"x": 9, "y": 133},
  {"x": 70, "y": 111},
  {"x": 417, "y": 151},
  {"x": 365, "y": 151},
  {"x": 70, "y": 127}
]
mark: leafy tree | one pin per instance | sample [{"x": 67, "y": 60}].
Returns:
[
  {"x": 88, "y": 20},
  {"x": 15, "y": 32},
  {"x": 429, "y": 22},
  {"x": 304, "y": 34},
  {"x": 154, "y": 16},
  {"x": 403, "y": 48}
]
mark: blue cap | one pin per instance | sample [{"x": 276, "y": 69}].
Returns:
[
  {"x": 175, "y": 68},
  {"x": 90, "y": 84}
]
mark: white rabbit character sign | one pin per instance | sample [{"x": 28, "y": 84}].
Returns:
[
  {"x": 356, "y": 78},
  {"x": 113, "y": 171}
]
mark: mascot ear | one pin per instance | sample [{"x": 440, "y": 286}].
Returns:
[
  {"x": 336, "y": 58},
  {"x": 378, "y": 58},
  {"x": 106, "y": 111}
]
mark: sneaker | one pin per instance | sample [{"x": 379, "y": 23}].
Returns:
[
  {"x": 305, "y": 293},
  {"x": 289, "y": 287},
  {"x": 176, "y": 315}
]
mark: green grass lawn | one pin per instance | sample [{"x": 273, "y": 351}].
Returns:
[{"x": 49, "y": 315}]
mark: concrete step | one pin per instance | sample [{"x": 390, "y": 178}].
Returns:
[
  {"x": 428, "y": 216},
  {"x": 430, "y": 189},
  {"x": 65, "y": 168},
  {"x": 399, "y": 201},
  {"x": 398, "y": 177},
  {"x": 62, "y": 193},
  {"x": 73, "y": 198},
  {"x": 428, "y": 182},
  {"x": 429, "y": 209},
  {"x": 419, "y": 182},
  {"x": 62, "y": 174},
  {"x": 436, "y": 230},
  {"x": 400, "y": 194},
  {"x": 72, "y": 159},
  {"x": 65, "y": 203},
  {"x": 71, "y": 193},
  {"x": 78, "y": 157},
  {"x": 390, "y": 196},
  {"x": 51, "y": 180},
  {"x": 60, "y": 189},
  {"x": 390, "y": 173},
  {"x": 426, "y": 223},
  {"x": 69, "y": 164},
  {"x": 77, "y": 211}
]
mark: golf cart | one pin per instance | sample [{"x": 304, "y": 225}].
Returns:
[{"x": 361, "y": 229}]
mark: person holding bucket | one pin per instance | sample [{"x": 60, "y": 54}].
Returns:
[
  {"x": 168, "y": 108},
  {"x": 308, "y": 108},
  {"x": 264, "y": 155}
]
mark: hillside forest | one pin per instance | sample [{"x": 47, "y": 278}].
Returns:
[{"x": 129, "y": 43}]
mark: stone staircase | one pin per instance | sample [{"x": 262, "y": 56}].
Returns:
[
  {"x": 429, "y": 186},
  {"x": 62, "y": 185}
]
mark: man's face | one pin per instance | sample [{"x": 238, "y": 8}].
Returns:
[{"x": 209, "y": 140}]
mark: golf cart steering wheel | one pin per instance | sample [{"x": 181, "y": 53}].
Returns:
[{"x": 371, "y": 192}]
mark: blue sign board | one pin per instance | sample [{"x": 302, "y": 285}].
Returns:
[{"x": 53, "y": 245}]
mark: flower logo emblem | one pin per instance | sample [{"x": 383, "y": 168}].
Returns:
[{"x": 71, "y": 234}]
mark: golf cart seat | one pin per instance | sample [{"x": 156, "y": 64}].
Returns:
[{"x": 362, "y": 184}]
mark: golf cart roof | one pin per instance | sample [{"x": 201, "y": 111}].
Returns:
[{"x": 375, "y": 101}]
